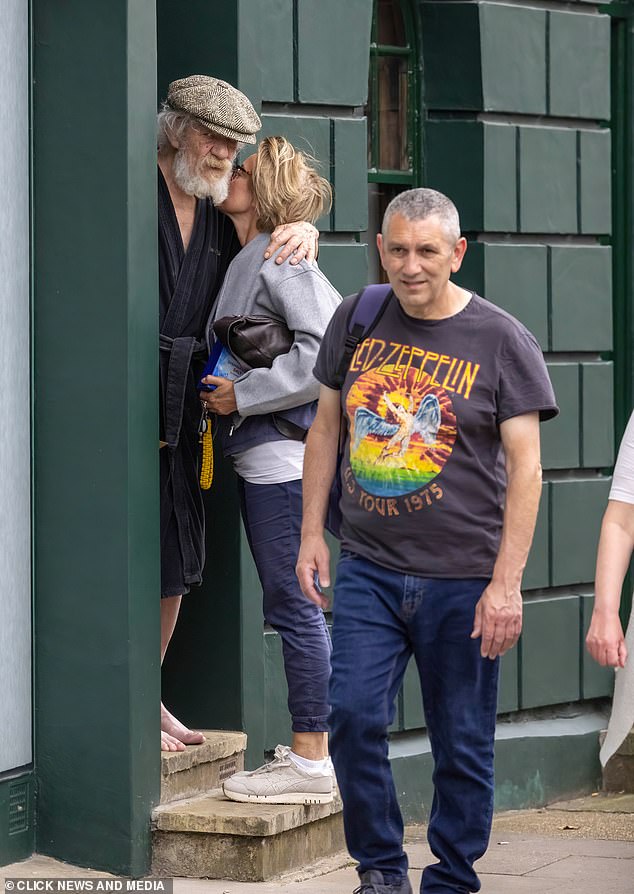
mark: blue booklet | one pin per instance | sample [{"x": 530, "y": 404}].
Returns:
[{"x": 221, "y": 363}]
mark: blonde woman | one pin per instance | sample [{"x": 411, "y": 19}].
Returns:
[{"x": 276, "y": 185}]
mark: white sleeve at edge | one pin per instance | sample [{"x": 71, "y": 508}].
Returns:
[{"x": 623, "y": 480}]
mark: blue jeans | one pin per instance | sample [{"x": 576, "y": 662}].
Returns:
[
  {"x": 380, "y": 619},
  {"x": 272, "y": 516}
]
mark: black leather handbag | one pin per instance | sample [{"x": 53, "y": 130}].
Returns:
[{"x": 255, "y": 341}]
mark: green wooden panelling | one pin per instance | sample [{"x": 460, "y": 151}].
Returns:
[
  {"x": 577, "y": 509},
  {"x": 450, "y": 43},
  {"x": 579, "y": 65},
  {"x": 250, "y": 49},
  {"x": 500, "y": 178},
  {"x": 581, "y": 298},
  {"x": 595, "y": 184},
  {"x": 513, "y": 49},
  {"x": 413, "y": 717},
  {"x": 17, "y": 818},
  {"x": 597, "y": 390},
  {"x": 550, "y": 652},
  {"x": 276, "y": 52},
  {"x": 345, "y": 265},
  {"x": 96, "y": 531},
  {"x": 471, "y": 273},
  {"x": 516, "y": 278},
  {"x": 548, "y": 180},
  {"x": 454, "y": 164},
  {"x": 277, "y": 722},
  {"x": 596, "y": 681},
  {"x": 193, "y": 38},
  {"x": 308, "y": 133},
  {"x": 350, "y": 186},
  {"x": 560, "y": 437},
  {"x": 536, "y": 573},
  {"x": 508, "y": 693},
  {"x": 333, "y": 58}
]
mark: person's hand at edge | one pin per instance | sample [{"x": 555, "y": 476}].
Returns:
[{"x": 605, "y": 640}]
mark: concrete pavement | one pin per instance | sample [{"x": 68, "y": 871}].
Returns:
[{"x": 579, "y": 847}]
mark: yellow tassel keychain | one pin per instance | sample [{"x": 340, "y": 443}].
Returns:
[{"x": 206, "y": 442}]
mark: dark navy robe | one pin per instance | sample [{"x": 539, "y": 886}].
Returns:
[{"x": 188, "y": 285}]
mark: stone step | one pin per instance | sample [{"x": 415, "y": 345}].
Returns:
[
  {"x": 201, "y": 768},
  {"x": 618, "y": 773},
  {"x": 213, "y": 837}
]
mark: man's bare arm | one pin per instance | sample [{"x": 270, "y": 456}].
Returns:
[
  {"x": 320, "y": 463},
  {"x": 498, "y": 614}
]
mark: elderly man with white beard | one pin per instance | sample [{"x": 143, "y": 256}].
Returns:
[{"x": 201, "y": 126}]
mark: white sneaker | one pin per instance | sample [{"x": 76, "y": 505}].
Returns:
[
  {"x": 331, "y": 769},
  {"x": 281, "y": 781}
]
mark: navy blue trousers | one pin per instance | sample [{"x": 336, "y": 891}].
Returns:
[
  {"x": 272, "y": 516},
  {"x": 380, "y": 619}
]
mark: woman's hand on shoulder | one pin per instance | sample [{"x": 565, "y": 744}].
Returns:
[{"x": 298, "y": 241}]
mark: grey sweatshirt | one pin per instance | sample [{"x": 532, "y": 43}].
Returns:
[{"x": 299, "y": 296}]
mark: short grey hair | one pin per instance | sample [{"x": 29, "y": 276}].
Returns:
[
  {"x": 175, "y": 124},
  {"x": 419, "y": 204}
]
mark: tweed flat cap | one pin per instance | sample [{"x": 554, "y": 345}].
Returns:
[{"x": 217, "y": 105}]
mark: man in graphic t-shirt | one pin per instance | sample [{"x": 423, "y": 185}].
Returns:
[{"x": 441, "y": 480}]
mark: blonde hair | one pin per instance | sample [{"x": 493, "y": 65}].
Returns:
[{"x": 287, "y": 186}]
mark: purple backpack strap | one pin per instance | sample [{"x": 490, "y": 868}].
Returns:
[{"x": 366, "y": 312}]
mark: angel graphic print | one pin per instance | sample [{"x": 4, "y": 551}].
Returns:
[
  {"x": 423, "y": 477},
  {"x": 401, "y": 433}
]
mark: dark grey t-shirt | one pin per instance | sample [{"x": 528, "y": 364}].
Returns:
[{"x": 423, "y": 476}]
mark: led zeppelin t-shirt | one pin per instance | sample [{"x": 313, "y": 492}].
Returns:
[{"x": 423, "y": 477}]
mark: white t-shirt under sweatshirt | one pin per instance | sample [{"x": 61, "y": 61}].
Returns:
[{"x": 302, "y": 297}]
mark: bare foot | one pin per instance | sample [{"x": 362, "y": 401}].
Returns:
[
  {"x": 169, "y": 743},
  {"x": 178, "y": 731}
]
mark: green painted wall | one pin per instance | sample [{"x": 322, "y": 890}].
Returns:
[
  {"x": 533, "y": 765},
  {"x": 532, "y": 182},
  {"x": 518, "y": 107},
  {"x": 517, "y": 131},
  {"x": 95, "y": 431}
]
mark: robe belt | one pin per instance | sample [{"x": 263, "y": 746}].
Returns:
[{"x": 181, "y": 351}]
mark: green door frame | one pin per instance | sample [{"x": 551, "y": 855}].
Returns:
[
  {"x": 95, "y": 455},
  {"x": 623, "y": 209},
  {"x": 622, "y": 226}
]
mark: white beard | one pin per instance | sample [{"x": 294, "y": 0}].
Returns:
[{"x": 212, "y": 184}]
